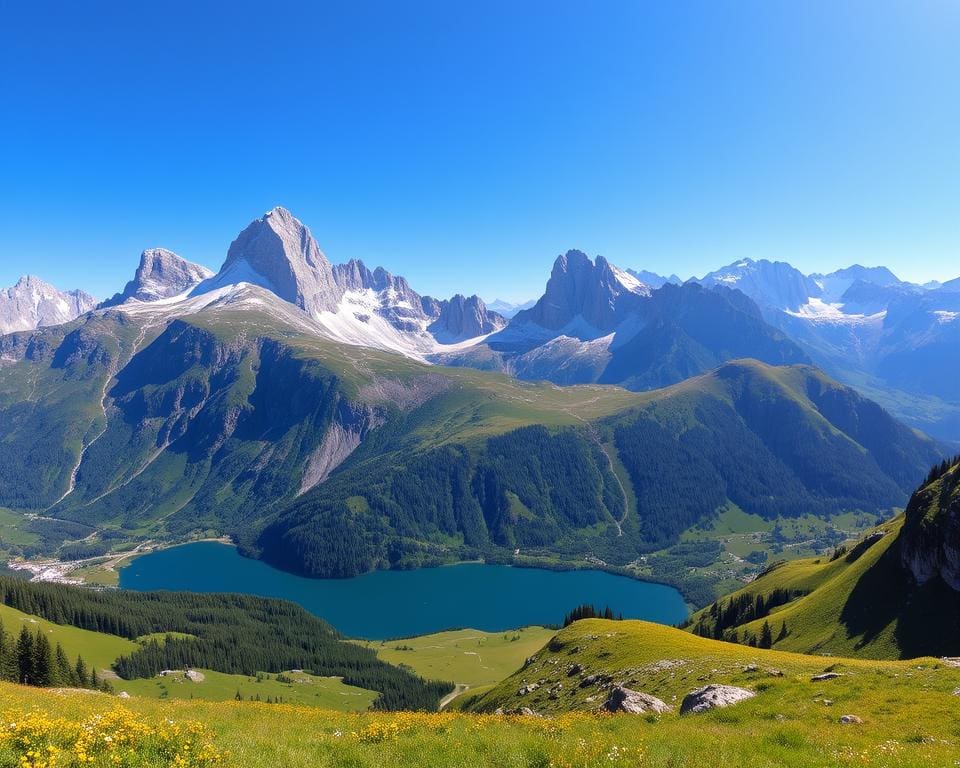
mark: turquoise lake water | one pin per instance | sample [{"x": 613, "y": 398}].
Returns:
[{"x": 389, "y": 604}]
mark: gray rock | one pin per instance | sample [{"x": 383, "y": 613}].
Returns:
[
  {"x": 461, "y": 318},
  {"x": 712, "y": 697},
  {"x": 278, "y": 253},
  {"x": 596, "y": 291},
  {"x": 161, "y": 274},
  {"x": 636, "y": 703},
  {"x": 850, "y": 719},
  {"x": 33, "y": 303},
  {"x": 825, "y": 676}
]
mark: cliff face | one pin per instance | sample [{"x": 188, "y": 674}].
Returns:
[{"x": 930, "y": 542}]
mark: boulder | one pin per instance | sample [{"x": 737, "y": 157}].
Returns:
[
  {"x": 636, "y": 703},
  {"x": 825, "y": 676},
  {"x": 713, "y": 696}
]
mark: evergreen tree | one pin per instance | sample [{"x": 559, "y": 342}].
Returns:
[
  {"x": 766, "y": 636},
  {"x": 42, "y": 661},
  {"x": 9, "y": 670},
  {"x": 62, "y": 671},
  {"x": 783, "y": 632},
  {"x": 81, "y": 672},
  {"x": 25, "y": 657}
]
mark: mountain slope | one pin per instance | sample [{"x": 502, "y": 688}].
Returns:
[
  {"x": 598, "y": 323},
  {"x": 161, "y": 275},
  {"x": 896, "y": 341},
  {"x": 583, "y": 663},
  {"x": 894, "y": 594},
  {"x": 331, "y": 461}
]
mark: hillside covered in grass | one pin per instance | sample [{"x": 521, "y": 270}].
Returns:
[
  {"x": 909, "y": 721},
  {"x": 136, "y": 636},
  {"x": 580, "y": 665},
  {"x": 892, "y": 594}
]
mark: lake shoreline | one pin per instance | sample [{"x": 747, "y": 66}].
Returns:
[{"x": 491, "y": 597}]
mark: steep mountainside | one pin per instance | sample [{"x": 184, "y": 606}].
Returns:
[
  {"x": 161, "y": 275},
  {"x": 32, "y": 303},
  {"x": 329, "y": 460},
  {"x": 893, "y": 594},
  {"x": 598, "y": 323}
]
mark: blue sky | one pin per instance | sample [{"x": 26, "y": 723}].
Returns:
[{"x": 465, "y": 145}]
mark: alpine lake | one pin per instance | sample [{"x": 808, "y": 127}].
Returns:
[{"x": 393, "y": 604}]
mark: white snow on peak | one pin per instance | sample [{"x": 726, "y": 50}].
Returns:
[
  {"x": 944, "y": 316},
  {"x": 819, "y": 311},
  {"x": 357, "y": 321},
  {"x": 629, "y": 282}
]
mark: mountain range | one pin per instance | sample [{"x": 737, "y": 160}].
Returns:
[
  {"x": 595, "y": 323},
  {"x": 268, "y": 402}
]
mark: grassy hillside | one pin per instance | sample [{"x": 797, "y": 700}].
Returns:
[
  {"x": 472, "y": 659},
  {"x": 862, "y": 602},
  {"x": 668, "y": 663},
  {"x": 909, "y": 719}
]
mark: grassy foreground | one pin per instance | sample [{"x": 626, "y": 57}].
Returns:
[
  {"x": 910, "y": 717},
  {"x": 145, "y": 732}
]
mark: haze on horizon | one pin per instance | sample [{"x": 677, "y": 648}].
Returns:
[{"x": 465, "y": 148}]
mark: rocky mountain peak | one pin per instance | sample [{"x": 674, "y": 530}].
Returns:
[
  {"x": 161, "y": 274},
  {"x": 773, "y": 284},
  {"x": 598, "y": 292},
  {"x": 278, "y": 252},
  {"x": 33, "y": 303},
  {"x": 463, "y": 317}
]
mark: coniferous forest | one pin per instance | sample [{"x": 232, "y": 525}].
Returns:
[{"x": 235, "y": 634}]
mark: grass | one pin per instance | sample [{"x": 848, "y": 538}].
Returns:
[
  {"x": 101, "y": 650},
  {"x": 305, "y": 690},
  {"x": 98, "y": 650},
  {"x": 842, "y": 612},
  {"x": 910, "y": 718},
  {"x": 468, "y": 657}
]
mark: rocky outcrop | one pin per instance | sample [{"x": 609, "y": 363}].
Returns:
[
  {"x": 33, "y": 303},
  {"x": 930, "y": 539},
  {"x": 463, "y": 318},
  {"x": 634, "y": 702},
  {"x": 162, "y": 274},
  {"x": 596, "y": 291},
  {"x": 712, "y": 697},
  {"x": 278, "y": 253},
  {"x": 342, "y": 438}
]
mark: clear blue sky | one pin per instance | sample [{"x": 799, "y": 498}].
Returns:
[{"x": 464, "y": 145}]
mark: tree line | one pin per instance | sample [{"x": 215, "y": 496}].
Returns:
[
  {"x": 31, "y": 659},
  {"x": 234, "y": 634}
]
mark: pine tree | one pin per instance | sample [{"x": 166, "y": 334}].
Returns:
[
  {"x": 783, "y": 632},
  {"x": 42, "y": 661},
  {"x": 81, "y": 672},
  {"x": 766, "y": 636},
  {"x": 62, "y": 671},
  {"x": 25, "y": 657},
  {"x": 9, "y": 670}
]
